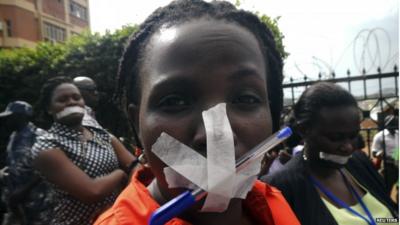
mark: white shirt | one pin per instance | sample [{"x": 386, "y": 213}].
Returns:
[{"x": 391, "y": 142}]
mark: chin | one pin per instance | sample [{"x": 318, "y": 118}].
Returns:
[{"x": 72, "y": 120}]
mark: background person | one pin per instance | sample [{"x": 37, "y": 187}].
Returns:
[
  {"x": 26, "y": 196},
  {"x": 88, "y": 89},
  {"x": 82, "y": 163},
  {"x": 388, "y": 140},
  {"x": 330, "y": 177},
  {"x": 89, "y": 93},
  {"x": 186, "y": 58},
  {"x": 292, "y": 146}
]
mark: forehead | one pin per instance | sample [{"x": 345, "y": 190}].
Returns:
[
  {"x": 204, "y": 41},
  {"x": 339, "y": 117},
  {"x": 65, "y": 88},
  {"x": 206, "y": 31}
]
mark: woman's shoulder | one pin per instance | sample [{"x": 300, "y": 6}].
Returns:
[
  {"x": 292, "y": 171},
  {"x": 265, "y": 189},
  {"x": 360, "y": 165},
  {"x": 45, "y": 138},
  {"x": 133, "y": 199},
  {"x": 44, "y": 142},
  {"x": 101, "y": 132},
  {"x": 264, "y": 196}
]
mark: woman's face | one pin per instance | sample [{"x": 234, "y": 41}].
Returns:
[
  {"x": 65, "y": 95},
  {"x": 192, "y": 67},
  {"x": 334, "y": 131}
]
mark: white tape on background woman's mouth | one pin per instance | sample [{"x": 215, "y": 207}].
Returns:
[
  {"x": 70, "y": 110},
  {"x": 339, "y": 159}
]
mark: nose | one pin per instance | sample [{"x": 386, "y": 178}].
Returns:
[
  {"x": 200, "y": 139},
  {"x": 72, "y": 102}
]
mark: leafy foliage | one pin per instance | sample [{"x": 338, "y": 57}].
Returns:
[
  {"x": 23, "y": 71},
  {"x": 272, "y": 24}
]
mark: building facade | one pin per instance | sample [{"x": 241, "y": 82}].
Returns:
[{"x": 26, "y": 22}]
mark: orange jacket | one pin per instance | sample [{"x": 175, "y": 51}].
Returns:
[{"x": 134, "y": 206}]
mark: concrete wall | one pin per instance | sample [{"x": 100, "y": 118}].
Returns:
[
  {"x": 54, "y": 8},
  {"x": 23, "y": 23}
]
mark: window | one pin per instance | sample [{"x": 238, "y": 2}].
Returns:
[
  {"x": 9, "y": 28},
  {"x": 78, "y": 10},
  {"x": 53, "y": 33}
]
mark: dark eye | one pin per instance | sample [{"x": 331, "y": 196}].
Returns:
[
  {"x": 77, "y": 97},
  {"x": 173, "y": 103},
  {"x": 246, "y": 99},
  {"x": 61, "y": 99}
]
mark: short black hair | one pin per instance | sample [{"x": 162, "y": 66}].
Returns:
[
  {"x": 46, "y": 92},
  {"x": 181, "y": 11},
  {"x": 318, "y": 96}
]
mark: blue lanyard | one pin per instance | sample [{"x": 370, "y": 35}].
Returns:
[{"x": 370, "y": 220}]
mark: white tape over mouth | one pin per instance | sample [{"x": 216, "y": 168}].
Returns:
[
  {"x": 342, "y": 160},
  {"x": 70, "y": 110},
  {"x": 215, "y": 174}
]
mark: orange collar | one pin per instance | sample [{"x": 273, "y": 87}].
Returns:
[{"x": 264, "y": 204}]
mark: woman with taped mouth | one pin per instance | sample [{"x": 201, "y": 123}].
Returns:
[
  {"x": 81, "y": 163},
  {"x": 190, "y": 64},
  {"x": 331, "y": 183}
]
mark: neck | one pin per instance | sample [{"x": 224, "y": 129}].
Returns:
[
  {"x": 317, "y": 168},
  {"x": 322, "y": 172},
  {"x": 77, "y": 127}
]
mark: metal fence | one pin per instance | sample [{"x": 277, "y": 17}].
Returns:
[{"x": 377, "y": 96}]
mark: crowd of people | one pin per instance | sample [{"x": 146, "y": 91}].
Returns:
[{"x": 196, "y": 77}]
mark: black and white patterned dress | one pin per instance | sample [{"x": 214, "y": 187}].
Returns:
[{"x": 95, "y": 157}]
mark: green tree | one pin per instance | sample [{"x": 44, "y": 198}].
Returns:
[
  {"x": 23, "y": 71},
  {"x": 272, "y": 24}
]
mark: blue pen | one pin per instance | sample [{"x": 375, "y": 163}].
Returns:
[{"x": 177, "y": 205}]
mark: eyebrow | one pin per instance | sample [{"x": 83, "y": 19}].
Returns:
[
  {"x": 246, "y": 72},
  {"x": 176, "y": 82},
  {"x": 176, "y": 79},
  {"x": 173, "y": 80}
]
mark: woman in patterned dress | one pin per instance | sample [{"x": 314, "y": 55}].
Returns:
[{"x": 84, "y": 164}]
